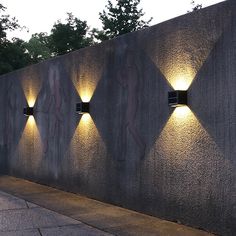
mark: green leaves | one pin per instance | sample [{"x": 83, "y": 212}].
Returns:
[
  {"x": 69, "y": 36},
  {"x": 64, "y": 38},
  {"x": 38, "y": 47},
  {"x": 13, "y": 55},
  {"x": 122, "y": 18},
  {"x": 6, "y": 23}
]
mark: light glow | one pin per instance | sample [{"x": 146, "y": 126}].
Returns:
[
  {"x": 85, "y": 119},
  {"x": 84, "y": 85},
  {"x": 186, "y": 148},
  {"x": 86, "y": 73},
  {"x": 86, "y": 150},
  {"x": 31, "y": 85},
  {"x": 86, "y": 94},
  {"x": 31, "y": 101},
  {"x": 31, "y": 122},
  {"x": 30, "y": 147},
  {"x": 181, "y": 83},
  {"x": 182, "y": 112}
]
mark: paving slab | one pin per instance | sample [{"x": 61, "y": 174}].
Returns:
[
  {"x": 91, "y": 217},
  {"x": 21, "y": 218},
  {"x": 28, "y": 232},
  {"x": 8, "y": 202}
]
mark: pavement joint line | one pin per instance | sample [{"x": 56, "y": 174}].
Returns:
[
  {"x": 29, "y": 194},
  {"x": 26, "y": 203},
  {"x": 46, "y": 227},
  {"x": 15, "y": 209},
  {"x": 57, "y": 226},
  {"x": 39, "y": 232}
]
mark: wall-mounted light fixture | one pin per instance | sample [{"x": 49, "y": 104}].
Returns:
[
  {"x": 177, "y": 98},
  {"x": 28, "y": 111},
  {"x": 82, "y": 107}
]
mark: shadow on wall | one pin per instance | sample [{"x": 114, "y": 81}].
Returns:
[{"x": 132, "y": 94}]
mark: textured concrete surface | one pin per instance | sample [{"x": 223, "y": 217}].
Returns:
[
  {"x": 99, "y": 216},
  {"x": 133, "y": 150},
  {"x": 21, "y": 218}
]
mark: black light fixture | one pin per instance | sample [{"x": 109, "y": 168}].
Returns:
[
  {"x": 82, "y": 107},
  {"x": 177, "y": 98},
  {"x": 28, "y": 111}
]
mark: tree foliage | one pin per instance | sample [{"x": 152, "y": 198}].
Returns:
[
  {"x": 6, "y": 23},
  {"x": 122, "y": 18},
  {"x": 64, "y": 38},
  {"x": 69, "y": 36},
  {"x": 118, "y": 19},
  {"x": 12, "y": 53},
  {"x": 38, "y": 47}
]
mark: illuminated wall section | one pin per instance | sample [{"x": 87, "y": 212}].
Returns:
[
  {"x": 26, "y": 150},
  {"x": 86, "y": 158},
  {"x": 30, "y": 148},
  {"x": 181, "y": 53},
  {"x": 31, "y": 84},
  {"x": 87, "y": 70}
]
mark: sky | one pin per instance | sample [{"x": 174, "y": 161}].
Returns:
[{"x": 40, "y": 15}]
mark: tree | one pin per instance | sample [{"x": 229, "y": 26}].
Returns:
[
  {"x": 6, "y": 23},
  {"x": 38, "y": 47},
  {"x": 13, "y": 54},
  {"x": 195, "y": 6},
  {"x": 70, "y": 36},
  {"x": 122, "y": 18}
]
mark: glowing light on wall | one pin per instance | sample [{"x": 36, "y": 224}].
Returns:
[
  {"x": 86, "y": 94},
  {"x": 30, "y": 147},
  {"x": 185, "y": 148},
  {"x": 31, "y": 96},
  {"x": 86, "y": 119},
  {"x": 181, "y": 113},
  {"x": 85, "y": 85},
  {"x": 181, "y": 82},
  {"x": 179, "y": 136},
  {"x": 85, "y": 142},
  {"x": 86, "y": 154},
  {"x": 86, "y": 73},
  {"x": 181, "y": 55},
  {"x": 31, "y": 101},
  {"x": 31, "y": 122},
  {"x": 31, "y": 85}
]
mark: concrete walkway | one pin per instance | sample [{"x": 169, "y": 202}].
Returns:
[
  {"x": 40, "y": 210},
  {"x": 21, "y": 218}
]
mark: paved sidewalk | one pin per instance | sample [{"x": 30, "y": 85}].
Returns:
[
  {"x": 71, "y": 214},
  {"x": 21, "y": 218}
]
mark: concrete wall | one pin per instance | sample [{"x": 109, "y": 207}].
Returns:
[{"x": 133, "y": 150}]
